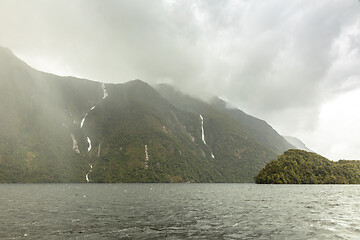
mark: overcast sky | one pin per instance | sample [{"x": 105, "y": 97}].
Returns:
[{"x": 295, "y": 64}]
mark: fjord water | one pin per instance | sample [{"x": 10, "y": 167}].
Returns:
[{"x": 179, "y": 211}]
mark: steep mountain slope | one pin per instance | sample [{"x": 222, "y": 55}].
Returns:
[
  {"x": 228, "y": 134},
  {"x": 258, "y": 129},
  {"x": 297, "y": 143},
  {"x": 64, "y": 129},
  {"x": 35, "y": 126},
  {"x": 141, "y": 137},
  {"x": 252, "y": 127}
]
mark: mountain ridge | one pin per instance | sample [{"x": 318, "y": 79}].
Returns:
[
  {"x": 260, "y": 130},
  {"x": 66, "y": 129}
]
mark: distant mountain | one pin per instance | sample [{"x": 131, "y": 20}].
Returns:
[
  {"x": 65, "y": 129},
  {"x": 301, "y": 167},
  {"x": 297, "y": 143}
]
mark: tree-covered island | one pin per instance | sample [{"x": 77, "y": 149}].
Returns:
[{"x": 301, "y": 167}]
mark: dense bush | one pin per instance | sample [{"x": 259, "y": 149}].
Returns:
[{"x": 301, "y": 167}]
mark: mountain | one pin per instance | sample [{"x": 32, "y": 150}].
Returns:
[
  {"x": 36, "y": 126},
  {"x": 258, "y": 129},
  {"x": 66, "y": 129},
  {"x": 297, "y": 143},
  {"x": 301, "y": 167},
  {"x": 251, "y": 127}
]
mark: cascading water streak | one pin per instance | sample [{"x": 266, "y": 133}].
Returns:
[
  {"x": 89, "y": 142},
  {"x": 203, "y": 134},
  {"x": 202, "y": 129}
]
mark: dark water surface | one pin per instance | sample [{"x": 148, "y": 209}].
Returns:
[{"x": 179, "y": 211}]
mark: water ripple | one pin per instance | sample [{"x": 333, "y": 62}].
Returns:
[{"x": 179, "y": 211}]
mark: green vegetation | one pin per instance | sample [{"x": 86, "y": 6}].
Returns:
[
  {"x": 257, "y": 129},
  {"x": 301, "y": 167},
  {"x": 41, "y": 114},
  {"x": 239, "y": 154}
]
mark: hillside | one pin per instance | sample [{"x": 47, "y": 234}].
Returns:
[
  {"x": 301, "y": 167},
  {"x": 251, "y": 127},
  {"x": 297, "y": 143},
  {"x": 228, "y": 139},
  {"x": 65, "y": 129},
  {"x": 258, "y": 129}
]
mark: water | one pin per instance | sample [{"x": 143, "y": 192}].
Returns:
[{"x": 179, "y": 211}]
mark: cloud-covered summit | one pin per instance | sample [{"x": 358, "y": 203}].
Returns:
[{"x": 281, "y": 61}]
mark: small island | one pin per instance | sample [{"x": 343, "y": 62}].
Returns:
[{"x": 302, "y": 167}]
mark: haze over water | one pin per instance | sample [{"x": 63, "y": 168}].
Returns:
[{"x": 179, "y": 211}]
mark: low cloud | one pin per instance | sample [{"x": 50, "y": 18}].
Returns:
[{"x": 280, "y": 61}]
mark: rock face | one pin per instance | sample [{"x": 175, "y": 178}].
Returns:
[{"x": 65, "y": 129}]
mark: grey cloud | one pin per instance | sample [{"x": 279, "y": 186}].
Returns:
[{"x": 278, "y": 60}]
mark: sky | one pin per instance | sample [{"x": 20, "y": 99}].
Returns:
[{"x": 295, "y": 64}]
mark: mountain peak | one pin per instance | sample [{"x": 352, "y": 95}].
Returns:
[
  {"x": 9, "y": 60},
  {"x": 138, "y": 134},
  {"x": 137, "y": 82},
  {"x": 4, "y": 50},
  {"x": 6, "y": 55}
]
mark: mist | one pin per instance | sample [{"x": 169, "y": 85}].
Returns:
[{"x": 288, "y": 63}]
